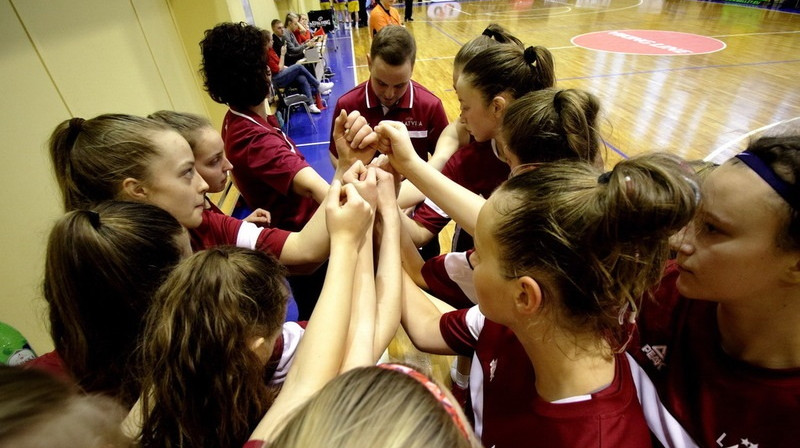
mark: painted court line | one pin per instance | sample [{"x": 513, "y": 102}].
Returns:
[
  {"x": 714, "y": 156},
  {"x": 615, "y": 149},
  {"x": 702, "y": 67}
]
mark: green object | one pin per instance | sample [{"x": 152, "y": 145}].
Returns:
[{"x": 14, "y": 348}]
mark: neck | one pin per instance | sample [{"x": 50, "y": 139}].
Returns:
[
  {"x": 567, "y": 365},
  {"x": 260, "y": 109},
  {"x": 765, "y": 333}
]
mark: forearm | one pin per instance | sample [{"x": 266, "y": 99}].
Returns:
[
  {"x": 308, "y": 183},
  {"x": 388, "y": 281},
  {"x": 409, "y": 195},
  {"x": 458, "y": 202},
  {"x": 362, "y": 312},
  {"x": 417, "y": 232},
  {"x": 420, "y": 318},
  {"x": 411, "y": 259},
  {"x": 311, "y": 245}
]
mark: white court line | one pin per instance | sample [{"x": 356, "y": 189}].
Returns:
[
  {"x": 711, "y": 157},
  {"x": 353, "y": 58},
  {"x": 314, "y": 144}
]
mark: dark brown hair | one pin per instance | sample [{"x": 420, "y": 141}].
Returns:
[
  {"x": 103, "y": 266},
  {"x": 494, "y": 34},
  {"x": 394, "y": 45},
  {"x": 202, "y": 384},
  {"x": 234, "y": 64},
  {"x": 596, "y": 244},
  {"x": 782, "y": 154},
  {"x": 509, "y": 68}
]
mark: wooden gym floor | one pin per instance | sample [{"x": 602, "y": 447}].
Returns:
[{"x": 698, "y": 106}]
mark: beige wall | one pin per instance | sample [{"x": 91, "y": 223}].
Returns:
[{"x": 65, "y": 58}]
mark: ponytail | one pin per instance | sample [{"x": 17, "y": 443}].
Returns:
[
  {"x": 549, "y": 125},
  {"x": 509, "y": 68},
  {"x": 91, "y": 158},
  {"x": 596, "y": 242},
  {"x": 102, "y": 267}
]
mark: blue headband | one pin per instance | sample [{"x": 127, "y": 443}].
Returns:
[{"x": 766, "y": 172}]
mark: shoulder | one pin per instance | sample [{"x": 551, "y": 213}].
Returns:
[{"x": 353, "y": 97}]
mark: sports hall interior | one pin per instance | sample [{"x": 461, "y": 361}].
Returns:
[{"x": 69, "y": 58}]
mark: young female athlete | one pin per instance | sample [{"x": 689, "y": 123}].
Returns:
[
  {"x": 209, "y": 155},
  {"x": 720, "y": 342},
  {"x": 103, "y": 266},
  {"x": 563, "y": 255},
  {"x": 483, "y": 103}
]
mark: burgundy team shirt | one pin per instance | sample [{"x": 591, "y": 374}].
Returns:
[
  {"x": 419, "y": 109},
  {"x": 218, "y": 229},
  {"x": 265, "y": 162},
  {"x": 509, "y": 413},
  {"x": 718, "y": 400}
]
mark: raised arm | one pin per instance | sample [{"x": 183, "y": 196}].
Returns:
[
  {"x": 458, "y": 202},
  {"x": 321, "y": 351}
]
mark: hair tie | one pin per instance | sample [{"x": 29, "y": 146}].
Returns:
[
  {"x": 94, "y": 218},
  {"x": 530, "y": 56},
  {"x": 434, "y": 389},
  {"x": 75, "y": 128},
  {"x": 604, "y": 178},
  {"x": 766, "y": 172}
]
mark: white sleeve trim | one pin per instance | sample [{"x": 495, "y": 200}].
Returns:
[
  {"x": 436, "y": 208},
  {"x": 292, "y": 333},
  {"x": 475, "y": 320},
  {"x": 661, "y": 423},
  {"x": 458, "y": 269},
  {"x": 248, "y": 235}
]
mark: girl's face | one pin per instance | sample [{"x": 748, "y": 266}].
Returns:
[
  {"x": 173, "y": 182},
  {"x": 728, "y": 253},
  {"x": 482, "y": 119},
  {"x": 495, "y": 292},
  {"x": 210, "y": 159}
]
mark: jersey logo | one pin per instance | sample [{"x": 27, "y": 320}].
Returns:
[
  {"x": 745, "y": 443},
  {"x": 492, "y": 368},
  {"x": 656, "y": 354}
]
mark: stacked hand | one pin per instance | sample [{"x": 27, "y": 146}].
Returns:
[
  {"x": 348, "y": 215},
  {"x": 354, "y": 138}
]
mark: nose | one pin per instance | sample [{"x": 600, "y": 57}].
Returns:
[
  {"x": 226, "y": 164},
  {"x": 683, "y": 241},
  {"x": 202, "y": 186}
]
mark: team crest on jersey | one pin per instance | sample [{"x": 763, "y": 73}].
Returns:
[
  {"x": 657, "y": 354},
  {"x": 411, "y": 123},
  {"x": 743, "y": 443},
  {"x": 492, "y": 368}
]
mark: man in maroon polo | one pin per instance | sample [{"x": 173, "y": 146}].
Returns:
[{"x": 390, "y": 94}]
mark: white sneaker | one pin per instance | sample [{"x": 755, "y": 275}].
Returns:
[
  {"x": 314, "y": 109},
  {"x": 323, "y": 86},
  {"x": 327, "y": 92}
]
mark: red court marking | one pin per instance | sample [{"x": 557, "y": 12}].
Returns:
[{"x": 665, "y": 43}]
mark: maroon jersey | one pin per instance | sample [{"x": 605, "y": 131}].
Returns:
[
  {"x": 475, "y": 167},
  {"x": 418, "y": 109},
  {"x": 265, "y": 162},
  {"x": 449, "y": 278},
  {"x": 508, "y": 411},
  {"x": 219, "y": 229},
  {"x": 718, "y": 400}
]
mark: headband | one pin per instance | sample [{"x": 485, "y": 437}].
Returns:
[
  {"x": 434, "y": 389},
  {"x": 766, "y": 172}
]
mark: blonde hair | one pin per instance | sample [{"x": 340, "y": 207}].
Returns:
[
  {"x": 188, "y": 125},
  {"x": 377, "y": 407},
  {"x": 596, "y": 243}
]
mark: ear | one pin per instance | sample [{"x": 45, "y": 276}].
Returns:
[
  {"x": 134, "y": 189},
  {"x": 499, "y": 104},
  {"x": 369, "y": 62},
  {"x": 530, "y": 297}
]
